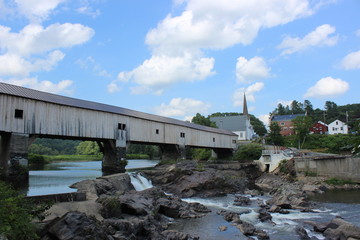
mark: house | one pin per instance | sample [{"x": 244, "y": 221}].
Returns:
[
  {"x": 285, "y": 123},
  {"x": 338, "y": 127},
  {"x": 240, "y": 124},
  {"x": 319, "y": 128}
]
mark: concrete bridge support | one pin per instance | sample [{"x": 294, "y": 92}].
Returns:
[
  {"x": 221, "y": 153},
  {"x": 174, "y": 152},
  {"x": 114, "y": 157},
  {"x": 14, "y": 155}
]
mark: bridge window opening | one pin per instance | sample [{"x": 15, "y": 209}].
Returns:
[
  {"x": 19, "y": 113},
  {"x": 234, "y": 141},
  {"x": 213, "y": 139},
  {"x": 157, "y": 131},
  {"x": 182, "y": 135},
  {"x": 121, "y": 126}
]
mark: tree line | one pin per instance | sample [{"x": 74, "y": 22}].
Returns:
[{"x": 349, "y": 113}]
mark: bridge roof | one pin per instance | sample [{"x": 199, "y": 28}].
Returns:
[{"x": 13, "y": 90}]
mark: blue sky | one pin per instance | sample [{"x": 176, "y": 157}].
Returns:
[{"x": 182, "y": 57}]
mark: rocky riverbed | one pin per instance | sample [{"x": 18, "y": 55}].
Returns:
[{"x": 115, "y": 210}]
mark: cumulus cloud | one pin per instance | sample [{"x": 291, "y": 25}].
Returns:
[
  {"x": 182, "y": 107},
  {"x": 321, "y": 36},
  {"x": 207, "y": 24},
  {"x": 251, "y": 70},
  {"x": 327, "y": 87},
  {"x": 265, "y": 118},
  {"x": 162, "y": 70},
  {"x": 37, "y": 10},
  {"x": 63, "y": 86},
  {"x": 35, "y": 39},
  {"x": 351, "y": 61},
  {"x": 250, "y": 91}
]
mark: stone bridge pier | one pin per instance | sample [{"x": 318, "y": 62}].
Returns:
[
  {"x": 174, "y": 152},
  {"x": 221, "y": 153},
  {"x": 14, "y": 155}
]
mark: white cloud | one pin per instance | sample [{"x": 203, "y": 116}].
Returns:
[
  {"x": 90, "y": 63},
  {"x": 63, "y": 86},
  {"x": 14, "y": 65},
  {"x": 248, "y": 71},
  {"x": 351, "y": 61},
  {"x": 113, "y": 87},
  {"x": 88, "y": 10},
  {"x": 162, "y": 70},
  {"x": 182, "y": 107},
  {"x": 37, "y": 10},
  {"x": 238, "y": 95},
  {"x": 327, "y": 87},
  {"x": 34, "y": 39},
  {"x": 321, "y": 36},
  {"x": 177, "y": 43},
  {"x": 265, "y": 119},
  {"x": 35, "y": 49}
]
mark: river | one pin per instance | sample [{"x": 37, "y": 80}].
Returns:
[{"x": 57, "y": 177}]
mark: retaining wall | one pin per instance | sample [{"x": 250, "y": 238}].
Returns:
[{"x": 342, "y": 167}]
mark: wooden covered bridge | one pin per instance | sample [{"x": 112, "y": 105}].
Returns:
[{"x": 26, "y": 114}]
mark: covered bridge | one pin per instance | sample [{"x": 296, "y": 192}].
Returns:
[{"x": 26, "y": 114}]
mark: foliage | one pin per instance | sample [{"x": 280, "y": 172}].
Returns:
[
  {"x": 248, "y": 152},
  {"x": 88, "y": 148},
  {"x": 202, "y": 120},
  {"x": 302, "y": 126},
  {"x": 151, "y": 151},
  {"x": 17, "y": 213},
  {"x": 335, "y": 181},
  {"x": 46, "y": 146},
  {"x": 201, "y": 153},
  {"x": 340, "y": 143},
  {"x": 36, "y": 159},
  {"x": 59, "y": 158},
  {"x": 274, "y": 136}
]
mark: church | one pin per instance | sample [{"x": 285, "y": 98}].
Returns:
[{"x": 240, "y": 125}]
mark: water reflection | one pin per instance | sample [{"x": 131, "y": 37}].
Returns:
[{"x": 57, "y": 177}]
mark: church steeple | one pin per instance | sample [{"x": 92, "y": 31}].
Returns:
[{"x": 245, "y": 109}]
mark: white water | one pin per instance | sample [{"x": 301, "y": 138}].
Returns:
[{"x": 139, "y": 181}]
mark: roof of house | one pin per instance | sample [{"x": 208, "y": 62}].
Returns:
[
  {"x": 278, "y": 118},
  {"x": 232, "y": 123},
  {"x": 13, "y": 90}
]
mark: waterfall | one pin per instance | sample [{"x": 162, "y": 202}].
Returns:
[{"x": 139, "y": 181}]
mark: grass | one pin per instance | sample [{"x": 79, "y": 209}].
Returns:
[
  {"x": 335, "y": 181},
  {"x": 60, "y": 158}
]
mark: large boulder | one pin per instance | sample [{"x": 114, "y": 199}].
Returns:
[
  {"x": 193, "y": 179},
  {"x": 74, "y": 226}
]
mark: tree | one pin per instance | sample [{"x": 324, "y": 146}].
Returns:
[
  {"x": 274, "y": 136},
  {"x": 281, "y": 110},
  {"x": 202, "y": 120},
  {"x": 88, "y": 148},
  {"x": 248, "y": 152},
  {"x": 308, "y": 107},
  {"x": 258, "y": 125},
  {"x": 302, "y": 126},
  {"x": 332, "y": 111},
  {"x": 297, "y": 107}
]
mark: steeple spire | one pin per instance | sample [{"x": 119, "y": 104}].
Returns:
[{"x": 245, "y": 109}]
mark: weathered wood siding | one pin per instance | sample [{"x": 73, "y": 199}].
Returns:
[{"x": 43, "y": 118}]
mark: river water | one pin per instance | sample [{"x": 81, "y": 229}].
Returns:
[{"x": 56, "y": 178}]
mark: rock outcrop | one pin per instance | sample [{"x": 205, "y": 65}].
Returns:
[{"x": 198, "y": 179}]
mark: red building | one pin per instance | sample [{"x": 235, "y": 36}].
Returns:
[
  {"x": 285, "y": 123},
  {"x": 319, "y": 128}
]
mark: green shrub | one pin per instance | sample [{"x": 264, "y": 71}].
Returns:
[
  {"x": 201, "y": 153},
  {"x": 137, "y": 156},
  {"x": 335, "y": 181},
  {"x": 36, "y": 159},
  {"x": 248, "y": 152},
  {"x": 17, "y": 213}
]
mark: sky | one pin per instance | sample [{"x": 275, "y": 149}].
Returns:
[{"x": 182, "y": 57}]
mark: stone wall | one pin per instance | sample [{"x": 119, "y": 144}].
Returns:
[{"x": 342, "y": 167}]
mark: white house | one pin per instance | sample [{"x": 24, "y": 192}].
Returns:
[{"x": 338, "y": 127}]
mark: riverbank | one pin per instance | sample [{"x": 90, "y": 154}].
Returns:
[{"x": 244, "y": 203}]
